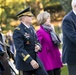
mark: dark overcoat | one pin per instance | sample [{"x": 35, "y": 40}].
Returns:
[{"x": 69, "y": 38}]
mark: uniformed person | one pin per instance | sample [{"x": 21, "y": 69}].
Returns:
[
  {"x": 27, "y": 45},
  {"x": 5, "y": 70}
]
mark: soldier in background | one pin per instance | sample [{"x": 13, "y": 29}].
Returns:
[
  {"x": 4, "y": 56},
  {"x": 1, "y": 53},
  {"x": 10, "y": 43}
]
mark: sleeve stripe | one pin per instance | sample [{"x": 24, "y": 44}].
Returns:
[{"x": 26, "y": 57}]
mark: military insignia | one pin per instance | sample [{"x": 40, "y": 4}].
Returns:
[
  {"x": 22, "y": 54},
  {"x": 26, "y": 57},
  {"x": 27, "y": 35},
  {"x": 17, "y": 28},
  {"x": 27, "y": 42}
]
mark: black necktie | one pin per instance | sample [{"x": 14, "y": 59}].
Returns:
[{"x": 31, "y": 30}]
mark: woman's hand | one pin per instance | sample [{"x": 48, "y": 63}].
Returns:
[{"x": 37, "y": 48}]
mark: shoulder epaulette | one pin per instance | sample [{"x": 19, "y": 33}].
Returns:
[{"x": 17, "y": 28}]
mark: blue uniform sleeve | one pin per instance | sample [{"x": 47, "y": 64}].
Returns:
[{"x": 19, "y": 45}]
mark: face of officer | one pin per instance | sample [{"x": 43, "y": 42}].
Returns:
[{"x": 27, "y": 19}]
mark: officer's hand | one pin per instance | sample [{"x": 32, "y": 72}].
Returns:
[
  {"x": 37, "y": 48},
  {"x": 34, "y": 64}
]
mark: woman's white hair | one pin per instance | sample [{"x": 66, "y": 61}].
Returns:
[
  {"x": 73, "y": 3},
  {"x": 42, "y": 17}
]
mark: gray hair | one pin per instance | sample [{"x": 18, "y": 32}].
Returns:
[
  {"x": 42, "y": 17},
  {"x": 73, "y": 3}
]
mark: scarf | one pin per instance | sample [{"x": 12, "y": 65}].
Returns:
[{"x": 53, "y": 35}]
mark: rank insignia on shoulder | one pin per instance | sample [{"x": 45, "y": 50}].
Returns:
[{"x": 17, "y": 28}]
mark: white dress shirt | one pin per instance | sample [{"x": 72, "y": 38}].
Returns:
[
  {"x": 74, "y": 12},
  {"x": 26, "y": 25}
]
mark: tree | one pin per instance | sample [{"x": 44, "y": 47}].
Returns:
[
  {"x": 9, "y": 9},
  {"x": 66, "y": 4}
]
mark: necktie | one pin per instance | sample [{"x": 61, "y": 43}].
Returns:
[{"x": 31, "y": 30}]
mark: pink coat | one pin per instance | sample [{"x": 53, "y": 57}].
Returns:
[{"x": 50, "y": 55}]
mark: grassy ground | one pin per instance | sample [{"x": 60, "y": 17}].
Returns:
[{"x": 64, "y": 70}]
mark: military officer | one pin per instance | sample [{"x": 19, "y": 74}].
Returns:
[{"x": 27, "y": 46}]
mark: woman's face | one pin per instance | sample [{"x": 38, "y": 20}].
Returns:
[{"x": 48, "y": 21}]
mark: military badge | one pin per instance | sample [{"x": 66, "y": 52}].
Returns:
[
  {"x": 17, "y": 28},
  {"x": 27, "y": 35},
  {"x": 22, "y": 54},
  {"x": 27, "y": 42}
]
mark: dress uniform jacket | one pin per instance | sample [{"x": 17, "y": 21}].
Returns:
[
  {"x": 69, "y": 38},
  {"x": 25, "y": 40}
]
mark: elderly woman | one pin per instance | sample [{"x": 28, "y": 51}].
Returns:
[{"x": 49, "y": 54}]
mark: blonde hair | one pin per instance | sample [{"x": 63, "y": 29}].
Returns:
[{"x": 42, "y": 17}]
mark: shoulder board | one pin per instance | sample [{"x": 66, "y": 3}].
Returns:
[{"x": 17, "y": 28}]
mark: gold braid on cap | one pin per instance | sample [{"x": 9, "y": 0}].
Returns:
[{"x": 26, "y": 14}]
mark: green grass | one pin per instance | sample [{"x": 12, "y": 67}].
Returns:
[{"x": 64, "y": 70}]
